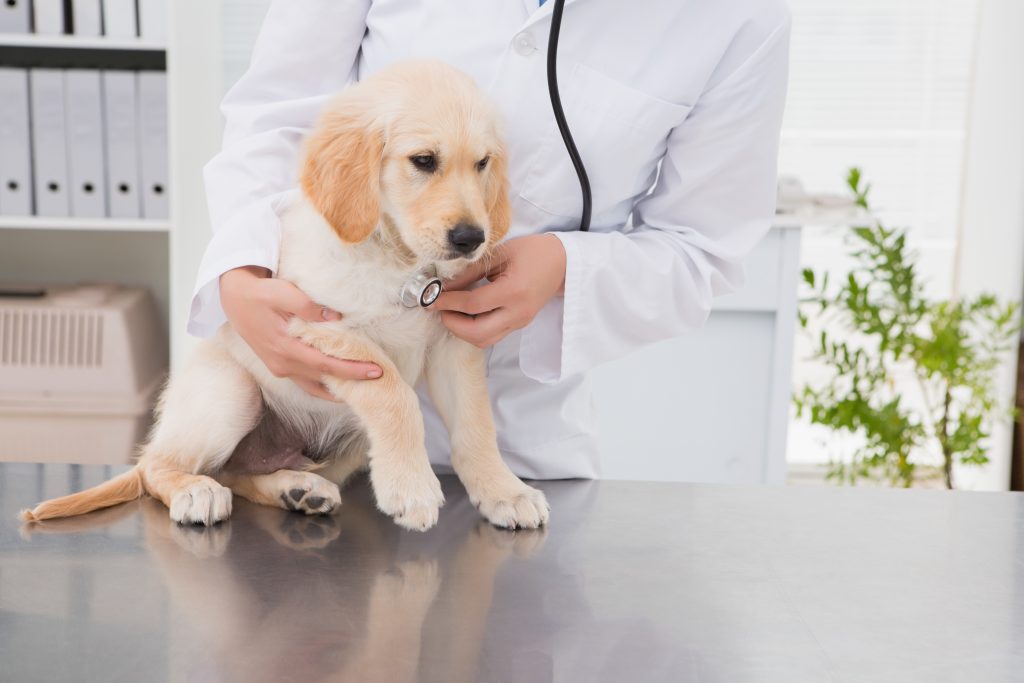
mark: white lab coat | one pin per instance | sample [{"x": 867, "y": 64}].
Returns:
[{"x": 698, "y": 86}]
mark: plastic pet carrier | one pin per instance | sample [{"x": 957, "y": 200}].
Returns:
[{"x": 80, "y": 369}]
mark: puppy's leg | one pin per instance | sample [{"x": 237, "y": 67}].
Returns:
[
  {"x": 351, "y": 457},
  {"x": 457, "y": 382},
  {"x": 203, "y": 414},
  {"x": 305, "y": 492},
  {"x": 403, "y": 483}
]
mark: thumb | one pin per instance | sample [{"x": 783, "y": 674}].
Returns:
[{"x": 293, "y": 301}]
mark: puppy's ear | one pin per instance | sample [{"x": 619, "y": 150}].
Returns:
[
  {"x": 498, "y": 206},
  {"x": 341, "y": 171}
]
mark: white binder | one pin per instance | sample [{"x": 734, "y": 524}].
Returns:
[
  {"x": 87, "y": 183},
  {"x": 119, "y": 19},
  {"x": 153, "y": 21},
  {"x": 121, "y": 134},
  {"x": 49, "y": 16},
  {"x": 14, "y": 16},
  {"x": 49, "y": 152},
  {"x": 86, "y": 19},
  {"x": 16, "y": 159},
  {"x": 152, "y": 89}
]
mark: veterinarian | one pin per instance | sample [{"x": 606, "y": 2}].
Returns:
[{"x": 695, "y": 89}]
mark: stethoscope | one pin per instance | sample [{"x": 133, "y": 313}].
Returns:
[{"x": 423, "y": 288}]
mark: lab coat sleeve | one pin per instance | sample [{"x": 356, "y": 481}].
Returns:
[
  {"x": 713, "y": 202},
  {"x": 305, "y": 53}
]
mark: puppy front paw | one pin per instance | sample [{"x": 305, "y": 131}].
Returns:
[
  {"x": 511, "y": 504},
  {"x": 412, "y": 500}
]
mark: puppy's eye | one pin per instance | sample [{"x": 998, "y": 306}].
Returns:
[
  {"x": 424, "y": 162},
  {"x": 482, "y": 164}
]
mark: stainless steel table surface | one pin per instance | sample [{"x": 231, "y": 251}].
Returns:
[{"x": 632, "y": 582}]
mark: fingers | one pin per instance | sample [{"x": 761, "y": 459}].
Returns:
[
  {"x": 316, "y": 389},
  {"x": 311, "y": 364},
  {"x": 467, "y": 277},
  {"x": 483, "y": 330},
  {"x": 289, "y": 299},
  {"x": 476, "y": 301}
]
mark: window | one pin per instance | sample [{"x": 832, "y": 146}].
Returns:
[{"x": 883, "y": 85}]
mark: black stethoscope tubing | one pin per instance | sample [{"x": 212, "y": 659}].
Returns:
[
  {"x": 556, "y": 106},
  {"x": 423, "y": 290}
]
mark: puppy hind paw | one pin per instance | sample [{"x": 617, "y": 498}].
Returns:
[
  {"x": 309, "y": 494},
  {"x": 205, "y": 504}
]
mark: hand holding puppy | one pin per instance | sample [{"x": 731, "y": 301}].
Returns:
[
  {"x": 524, "y": 273},
  {"x": 259, "y": 307}
]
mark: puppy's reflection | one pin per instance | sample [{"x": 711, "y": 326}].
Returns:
[{"x": 273, "y": 596}]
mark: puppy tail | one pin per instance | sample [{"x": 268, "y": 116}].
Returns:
[{"x": 120, "y": 489}]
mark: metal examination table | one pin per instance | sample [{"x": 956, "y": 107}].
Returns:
[{"x": 632, "y": 582}]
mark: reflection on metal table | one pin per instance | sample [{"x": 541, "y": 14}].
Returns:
[{"x": 632, "y": 582}]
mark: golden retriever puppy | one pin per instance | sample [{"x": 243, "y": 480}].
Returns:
[{"x": 405, "y": 173}]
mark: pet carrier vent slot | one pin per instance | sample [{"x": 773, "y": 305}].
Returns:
[{"x": 58, "y": 338}]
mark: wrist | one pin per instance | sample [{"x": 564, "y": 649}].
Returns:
[
  {"x": 561, "y": 259},
  {"x": 234, "y": 282}
]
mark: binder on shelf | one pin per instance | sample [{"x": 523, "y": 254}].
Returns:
[
  {"x": 153, "y": 21},
  {"x": 49, "y": 151},
  {"x": 86, "y": 19},
  {"x": 87, "y": 181},
  {"x": 16, "y": 159},
  {"x": 121, "y": 135},
  {"x": 152, "y": 92},
  {"x": 119, "y": 20},
  {"x": 14, "y": 16},
  {"x": 48, "y": 16}
]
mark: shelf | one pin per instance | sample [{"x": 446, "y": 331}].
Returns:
[
  {"x": 30, "y": 50},
  {"x": 35, "y": 40},
  {"x": 84, "y": 224}
]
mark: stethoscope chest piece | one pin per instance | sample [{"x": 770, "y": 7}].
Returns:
[{"x": 422, "y": 289}]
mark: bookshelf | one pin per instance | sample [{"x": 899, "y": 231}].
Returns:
[
  {"x": 66, "y": 42},
  {"x": 161, "y": 255},
  {"x": 83, "y": 224}
]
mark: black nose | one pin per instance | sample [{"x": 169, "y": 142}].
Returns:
[{"x": 465, "y": 238}]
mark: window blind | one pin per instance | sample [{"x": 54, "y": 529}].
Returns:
[{"x": 883, "y": 84}]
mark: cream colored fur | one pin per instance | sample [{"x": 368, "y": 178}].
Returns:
[{"x": 367, "y": 220}]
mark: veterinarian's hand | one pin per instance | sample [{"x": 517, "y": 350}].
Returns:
[
  {"x": 524, "y": 273},
  {"x": 259, "y": 307}
]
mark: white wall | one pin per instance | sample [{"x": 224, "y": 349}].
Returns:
[
  {"x": 241, "y": 21},
  {"x": 195, "y": 87},
  {"x": 991, "y": 256}
]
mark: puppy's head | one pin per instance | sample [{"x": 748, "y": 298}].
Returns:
[{"x": 414, "y": 148}]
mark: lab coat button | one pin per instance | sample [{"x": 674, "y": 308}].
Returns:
[{"x": 524, "y": 44}]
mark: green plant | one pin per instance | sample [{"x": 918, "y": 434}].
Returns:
[{"x": 874, "y": 332}]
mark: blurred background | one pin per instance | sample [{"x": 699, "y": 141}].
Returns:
[{"x": 108, "y": 111}]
